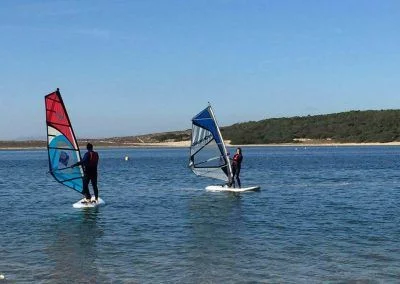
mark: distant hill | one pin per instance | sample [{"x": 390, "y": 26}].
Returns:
[
  {"x": 22, "y": 144},
  {"x": 139, "y": 140},
  {"x": 154, "y": 138},
  {"x": 346, "y": 127}
]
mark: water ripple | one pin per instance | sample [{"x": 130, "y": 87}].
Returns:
[{"x": 324, "y": 215}]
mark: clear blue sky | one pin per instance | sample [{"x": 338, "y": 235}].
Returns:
[{"x": 134, "y": 67}]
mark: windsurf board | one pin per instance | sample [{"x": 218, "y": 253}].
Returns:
[
  {"x": 81, "y": 204},
  {"x": 231, "y": 189}
]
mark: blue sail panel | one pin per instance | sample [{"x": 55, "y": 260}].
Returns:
[
  {"x": 62, "y": 155},
  {"x": 205, "y": 120}
]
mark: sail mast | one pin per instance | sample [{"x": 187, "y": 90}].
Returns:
[
  {"x": 69, "y": 121},
  {"x": 223, "y": 144}
]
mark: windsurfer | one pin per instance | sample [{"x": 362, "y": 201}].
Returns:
[
  {"x": 89, "y": 162},
  {"x": 236, "y": 165}
]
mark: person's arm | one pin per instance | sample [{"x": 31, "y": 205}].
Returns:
[{"x": 82, "y": 162}]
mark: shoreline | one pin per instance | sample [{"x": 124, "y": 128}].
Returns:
[
  {"x": 186, "y": 144},
  {"x": 319, "y": 144}
]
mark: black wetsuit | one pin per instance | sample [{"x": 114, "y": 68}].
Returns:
[
  {"x": 89, "y": 162},
  {"x": 236, "y": 164}
]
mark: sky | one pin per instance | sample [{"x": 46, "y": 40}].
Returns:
[{"x": 136, "y": 67}]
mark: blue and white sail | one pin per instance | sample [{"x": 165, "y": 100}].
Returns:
[{"x": 208, "y": 154}]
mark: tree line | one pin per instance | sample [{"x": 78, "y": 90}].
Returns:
[{"x": 345, "y": 127}]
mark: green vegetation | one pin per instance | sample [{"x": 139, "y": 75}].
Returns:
[
  {"x": 345, "y": 127},
  {"x": 22, "y": 144},
  {"x": 172, "y": 136}
]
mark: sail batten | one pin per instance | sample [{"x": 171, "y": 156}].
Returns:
[
  {"x": 208, "y": 155},
  {"x": 62, "y": 147}
]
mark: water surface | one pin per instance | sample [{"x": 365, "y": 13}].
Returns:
[{"x": 323, "y": 215}]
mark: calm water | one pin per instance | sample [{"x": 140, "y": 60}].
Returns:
[{"x": 324, "y": 215}]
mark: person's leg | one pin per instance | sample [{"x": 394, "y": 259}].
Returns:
[
  {"x": 94, "y": 184},
  {"x": 233, "y": 176},
  {"x": 237, "y": 177},
  {"x": 86, "y": 187}
]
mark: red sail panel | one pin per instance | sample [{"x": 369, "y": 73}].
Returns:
[{"x": 56, "y": 116}]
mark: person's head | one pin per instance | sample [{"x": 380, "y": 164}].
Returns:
[
  {"x": 89, "y": 146},
  {"x": 239, "y": 150}
]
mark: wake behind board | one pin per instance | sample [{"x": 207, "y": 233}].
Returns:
[
  {"x": 231, "y": 189},
  {"x": 79, "y": 204}
]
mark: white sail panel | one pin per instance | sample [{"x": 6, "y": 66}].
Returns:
[{"x": 208, "y": 156}]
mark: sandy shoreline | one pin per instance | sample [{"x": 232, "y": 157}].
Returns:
[
  {"x": 186, "y": 144},
  {"x": 228, "y": 144},
  {"x": 319, "y": 144}
]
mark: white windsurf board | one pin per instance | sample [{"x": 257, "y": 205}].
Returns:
[
  {"x": 79, "y": 203},
  {"x": 231, "y": 189}
]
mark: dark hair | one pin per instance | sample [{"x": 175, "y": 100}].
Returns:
[
  {"x": 240, "y": 150},
  {"x": 89, "y": 146}
]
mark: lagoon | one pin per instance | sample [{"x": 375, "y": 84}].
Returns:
[{"x": 324, "y": 214}]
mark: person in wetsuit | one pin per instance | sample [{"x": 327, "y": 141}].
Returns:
[
  {"x": 89, "y": 162},
  {"x": 236, "y": 165}
]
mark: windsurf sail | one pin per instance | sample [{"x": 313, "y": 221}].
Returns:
[
  {"x": 62, "y": 147},
  {"x": 208, "y": 155}
]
